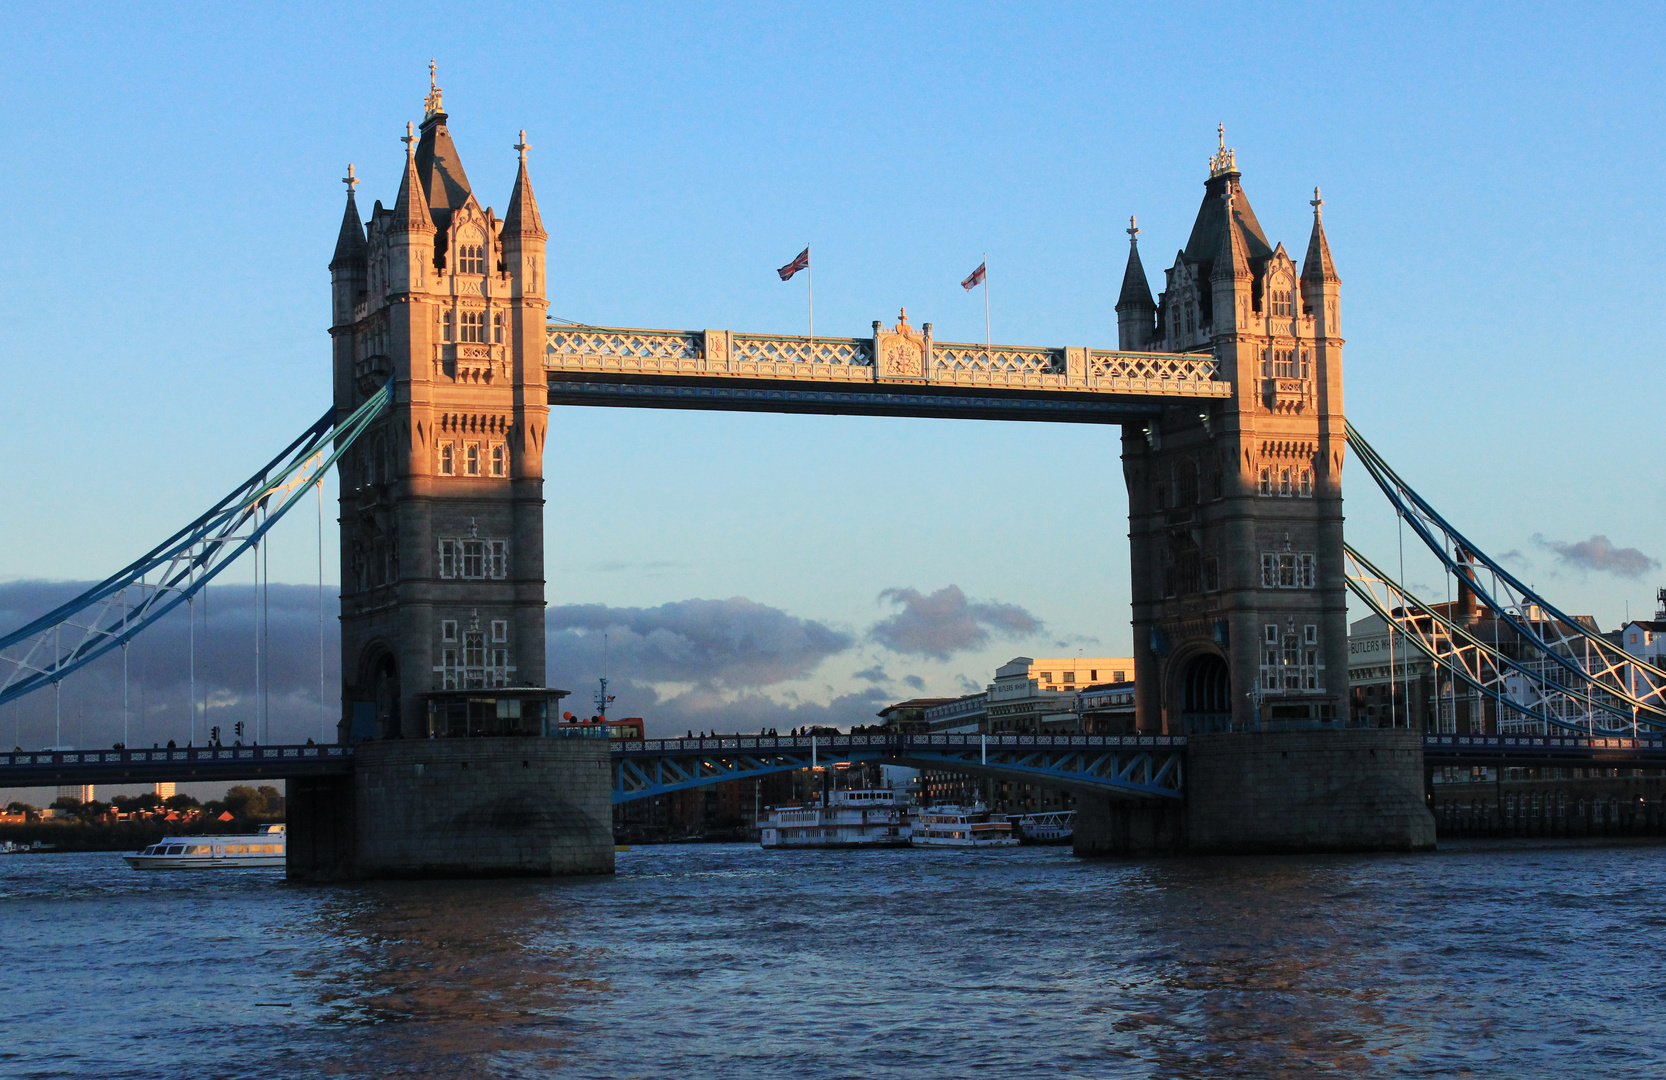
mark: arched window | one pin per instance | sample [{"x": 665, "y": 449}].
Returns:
[
  {"x": 1284, "y": 483},
  {"x": 445, "y": 459},
  {"x": 1185, "y": 482},
  {"x": 471, "y": 255},
  {"x": 497, "y": 328},
  {"x": 497, "y": 459},
  {"x": 1266, "y": 486}
]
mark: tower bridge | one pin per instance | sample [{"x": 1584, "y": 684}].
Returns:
[{"x": 1226, "y": 385}]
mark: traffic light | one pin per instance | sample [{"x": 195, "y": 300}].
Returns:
[
  {"x": 214, "y": 733},
  {"x": 238, "y": 728}
]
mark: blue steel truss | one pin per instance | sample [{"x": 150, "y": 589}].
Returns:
[
  {"x": 1130, "y": 766},
  {"x": 1596, "y": 666},
  {"x": 114, "y": 611}
]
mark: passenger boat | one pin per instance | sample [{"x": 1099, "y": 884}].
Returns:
[
  {"x": 1057, "y": 827},
  {"x": 852, "y": 818},
  {"x": 264, "y": 848},
  {"x": 962, "y": 826}
]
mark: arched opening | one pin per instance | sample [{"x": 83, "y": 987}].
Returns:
[
  {"x": 1206, "y": 695},
  {"x": 386, "y": 682}
]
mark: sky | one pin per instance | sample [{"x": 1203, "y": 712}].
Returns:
[{"x": 1489, "y": 179}]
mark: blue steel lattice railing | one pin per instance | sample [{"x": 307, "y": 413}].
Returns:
[
  {"x": 1601, "y": 674},
  {"x": 114, "y": 611},
  {"x": 37, "y": 768},
  {"x": 1132, "y": 766}
]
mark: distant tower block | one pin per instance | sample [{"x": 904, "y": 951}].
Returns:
[
  {"x": 165, "y": 791},
  {"x": 78, "y": 792}
]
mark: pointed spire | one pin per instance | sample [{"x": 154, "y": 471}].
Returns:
[
  {"x": 1318, "y": 267},
  {"x": 521, "y": 219},
  {"x": 1232, "y": 260},
  {"x": 350, "y": 245},
  {"x": 410, "y": 210},
  {"x": 432, "y": 107},
  {"x": 1136, "y": 290}
]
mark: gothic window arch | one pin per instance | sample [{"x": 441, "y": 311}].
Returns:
[
  {"x": 1185, "y": 482},
  {"x": 471, "y": 252}
]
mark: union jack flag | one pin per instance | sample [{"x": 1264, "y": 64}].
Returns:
[
  {"x": 800, "y": 263},
  {"x": 975, "y": 278}
]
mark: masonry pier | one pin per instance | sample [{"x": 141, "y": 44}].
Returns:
[{"x": 1271, "y": 792}]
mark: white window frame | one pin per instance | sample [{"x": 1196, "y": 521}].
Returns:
[
  {"x": 446, "y": 459},
  {"x": 448, "y": 565},
  {"x": 500, "y": 631},
  {"x": 448, "y": 629}
]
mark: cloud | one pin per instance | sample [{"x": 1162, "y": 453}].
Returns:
[
  {"x": 1599, "y": 553},
  {"x": 729, "y": 644},
  {"x": 915, "y": 681},
  {"x": 874, "y": 674},
  {"x": 159, "y": 664},
  {"x": 1514, "y": 555},
  {"x": 946, "y": 622}
]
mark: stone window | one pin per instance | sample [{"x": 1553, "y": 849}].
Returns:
[
  {"x": 1284, "y": 488},
  {"x": 474, "y": 559},
  {"x": 445, "y": 459},
  {"x": 1211, "y": 575},
  {"x": 450, "y": 328},
  {"x": 471, "y": 259},
  {"x": 500, "y": 630},
  {"x": 500, "y": 559},
  {"x": 1288, "y": 570},
  {"x": 497, "y": 459},
  {"x": 1281, "y": 303},
  {"x": 1185, "y": 483},
  {"x": 448, "y": 629},
  {"x": 448, "y": 568},
  {"x": 1266, "y": 486},
  {"x": 497, "y": 328},
  {"x": 473, "y": 325},
  {"x": 1306, "y": 487},
  {"x": 449, "y": 669},
  {"x": 471, "y": 459}
]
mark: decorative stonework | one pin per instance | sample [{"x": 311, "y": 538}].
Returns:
[{"x": 901, "y": 352}]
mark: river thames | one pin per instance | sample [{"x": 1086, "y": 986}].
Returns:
[{"x": 725, "y": 960}]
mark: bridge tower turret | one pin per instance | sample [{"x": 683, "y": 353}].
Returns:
[
  {"x": 442, "y": 503},
  {"x": 1235, "y": 507}
]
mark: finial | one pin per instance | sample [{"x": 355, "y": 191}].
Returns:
[
  {"x": 1223, "y": 160},
  {"x": 1316, "y": 202},
  {"x": 350, "y": 180},
  {"x": 433, "y": 107},
  {"x": 1220, "y": 130},
  {"x": 523, "y": 146},
  {"x": 410, "y": 137},
  {"x": 1133, "y": 230}
]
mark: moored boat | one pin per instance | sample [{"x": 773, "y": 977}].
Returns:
[
  {"x": 243, "y": 851},
  {"x": 852, "y": 818},
  {"x": 1055, "y": 827},
  {"x": 962, "y": 826}
]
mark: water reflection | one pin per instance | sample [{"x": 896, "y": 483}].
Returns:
[{"x": 451, "y": 978}]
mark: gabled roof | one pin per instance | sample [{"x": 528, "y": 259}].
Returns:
[
  {"x": 1207, "y": 231},
  {"x": 444, "y": 183}
]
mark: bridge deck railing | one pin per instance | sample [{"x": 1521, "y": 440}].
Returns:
[
  {"x": 892, "y": 743},
  {"x": 729, "y": 355}
]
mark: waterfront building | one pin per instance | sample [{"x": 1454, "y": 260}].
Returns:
[
  {"x": 1107, "y": 708},
  {"x": 964, "y": 715},
  {"x": 165, "y": 791},
  {"x": 79, "y": 792}
]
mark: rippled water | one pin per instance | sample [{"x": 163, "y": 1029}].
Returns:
[{"x": 729, "y": 961}]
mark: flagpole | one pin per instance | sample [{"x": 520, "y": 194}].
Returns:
[
  {"x": 810, "y": 277},
  {"x": 988, "y": 347}
]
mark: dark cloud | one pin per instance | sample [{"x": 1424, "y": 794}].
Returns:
[
  {"x": 159, "y": 670},
  {"x": 1599, "y": 553},
  {"x": 705, "y": 710},
  {"x": 946, "y": 622},
  {"x": 728, "y": 644},
  {"x": 874, "y": 674},
  {"x": 915, "y": 681},
  {"x": 1514, "y": 555}
]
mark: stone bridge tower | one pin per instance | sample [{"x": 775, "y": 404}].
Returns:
[
  {"x": 442, "y": 542},
  {"x": 1235, "y": 507}
]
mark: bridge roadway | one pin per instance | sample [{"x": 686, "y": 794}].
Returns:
[
  {"x": 897, "y": 372},
  {"x": 1131, "y": 766}
]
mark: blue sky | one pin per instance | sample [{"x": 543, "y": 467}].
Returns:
[{"x": 1491, "y": 185}]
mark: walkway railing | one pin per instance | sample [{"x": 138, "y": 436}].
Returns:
[{"x": 35, "y": 768}]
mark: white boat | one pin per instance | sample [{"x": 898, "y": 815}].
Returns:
[
  {"x": 856, "y": 818},
  {"x": 962, "y": 826},
  {"x": 1054, "y": 827},
  {"x": 264, "y": 848}
]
